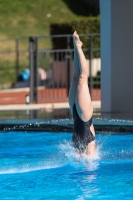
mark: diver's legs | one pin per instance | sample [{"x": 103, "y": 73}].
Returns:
[
  {"x": 83, "y": 100},
  {"x": 73, "y": 87}
]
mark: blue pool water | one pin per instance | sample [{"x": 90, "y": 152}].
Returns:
[{"x": 45, "y": 166}]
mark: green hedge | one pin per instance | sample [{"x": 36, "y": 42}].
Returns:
[{"x": 82, "y": 26}]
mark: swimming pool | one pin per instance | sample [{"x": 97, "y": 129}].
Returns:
[{"x": 43, "y": 165}]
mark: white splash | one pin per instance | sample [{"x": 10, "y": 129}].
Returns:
[
  {"x": 66, "y": 155},
  {"x": 76, "y": 160},
  {"x": 24, "y": 169},
  {"x": 32, "y": 165}
]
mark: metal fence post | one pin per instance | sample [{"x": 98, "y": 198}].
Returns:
[
  {"x": 31, "y": 51},
  {"x": 36, "y": 76},
  {"x": 90, "y": 64},
  {"x": 33, "y": 45}
]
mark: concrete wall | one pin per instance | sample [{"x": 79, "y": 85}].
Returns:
[{"x": 116, "y": 55}]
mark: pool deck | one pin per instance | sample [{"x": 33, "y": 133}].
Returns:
[
  {"x": 96, "y": 105},
  {"x": 102, "y": 124}
]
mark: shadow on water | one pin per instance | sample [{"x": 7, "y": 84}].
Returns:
[{"x": 83, "y": 8}]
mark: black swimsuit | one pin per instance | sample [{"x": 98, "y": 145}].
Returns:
[{"x": 82, "y": 134}]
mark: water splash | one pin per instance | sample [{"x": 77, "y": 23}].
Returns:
[
  {"x": 25, "y": 169},
  {"x": 77, "y": 160},
  {"x": 117, "y": 156},
  {"x": 23, "y": 166}
]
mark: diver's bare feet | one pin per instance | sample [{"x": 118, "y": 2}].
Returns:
[{"x": 76, "y": 39}]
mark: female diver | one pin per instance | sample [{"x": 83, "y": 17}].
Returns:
[{"x": 80, "y": 103}]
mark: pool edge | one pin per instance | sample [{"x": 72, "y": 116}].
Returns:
[{"x": 64, "y": 125}]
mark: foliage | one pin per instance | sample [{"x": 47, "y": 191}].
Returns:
[
  {"x": 32, "y": 17},
  {"x": 24, "y": 18},
  {"x": 82, "y": 26}
]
